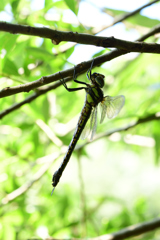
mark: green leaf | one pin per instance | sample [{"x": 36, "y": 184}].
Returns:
[
  {"x": 9, "y": 67},
  {"x": 8, "y": 42},
  {"x": 3, "y": 3},
  {"x": 40, "y": 53},
  {"x": 100, "y": 53},
  {"x": 73, "y": 5},
  {"x": 69, "y": 52}
]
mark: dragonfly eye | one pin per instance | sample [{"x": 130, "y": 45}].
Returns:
[{"x": 100, "y": 80}]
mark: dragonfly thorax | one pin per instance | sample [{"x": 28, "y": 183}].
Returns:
[
  {"x": 97, "y": 79},
  {"x": 94, "y": 95}
]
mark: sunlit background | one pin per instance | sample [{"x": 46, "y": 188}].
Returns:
[{"x": 112, "y": 182}]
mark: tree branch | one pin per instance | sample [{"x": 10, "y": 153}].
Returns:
[
  {"x": 29, "y": 99},
  {"x": 80, "y": 68},
  {"x": 131, "y": 231},
  {"x": 59, "y": 36},
  {"x": 117, "y": 20},
  {"x": 8, "y": 91}
]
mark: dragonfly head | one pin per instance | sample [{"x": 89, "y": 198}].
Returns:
[{"x": 98, "y": 79}]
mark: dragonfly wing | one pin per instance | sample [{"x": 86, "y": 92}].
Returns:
[
  {"x": 86, "y": 131},
  {"x": 103, "y": 110},
  {"x": 111, "y": 106},
  {"x": 93, "y": 124}
]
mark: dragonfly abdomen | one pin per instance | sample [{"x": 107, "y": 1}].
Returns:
[{"x": 85, "y": 114}]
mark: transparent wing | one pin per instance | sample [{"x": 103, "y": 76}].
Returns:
[
  {"x": 86, "y": 131},
  {"x": 111, "y": 106},
  {"x": 91, "y": 125}
]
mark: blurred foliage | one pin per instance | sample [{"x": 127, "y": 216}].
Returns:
[
  {"x": 138, "y": 20},
  {"x": 120, "y": 179}
]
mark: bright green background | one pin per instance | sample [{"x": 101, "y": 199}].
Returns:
[{"x": 120, "y": 180}]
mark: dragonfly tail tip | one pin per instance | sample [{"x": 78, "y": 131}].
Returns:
[{"x": 52, "y": 191}]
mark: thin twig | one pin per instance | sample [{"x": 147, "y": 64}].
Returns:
[
  {"x": 151, "y": 117},
  {"x": 19, "y": 191},
  {"x": 128, "y": 15},
  {"x": 48, "y": 131},
  {"x": 153, "y": 31}
]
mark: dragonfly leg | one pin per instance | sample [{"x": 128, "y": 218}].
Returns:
[
  {"x": 89, "y": 73},
  {"x": 62, "y": 80},
  {"x": 67, "y": 88},
  {"x": 75, "y": 76}
]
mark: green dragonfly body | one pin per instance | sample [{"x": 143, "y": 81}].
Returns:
[{"x": 110, "y": 106}]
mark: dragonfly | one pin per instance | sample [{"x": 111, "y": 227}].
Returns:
[{"x": 87, "y": 122}]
